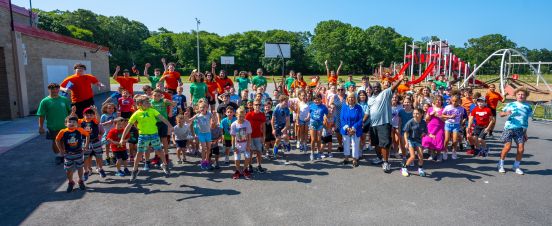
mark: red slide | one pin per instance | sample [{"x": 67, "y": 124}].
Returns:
[
  {"x": 427, "y": 71},
  {"x": 404, "y": 67}
]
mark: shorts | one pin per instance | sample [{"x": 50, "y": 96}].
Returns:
[
  {"x": 452, "y": 127},
  {"x": 414, "y": 144},
  {"x": 126, "y": 114},
  {"x": 479, "y": 131},
  {"x": 181, "y": 143},
  {"x": 172, "y": 120},
  {"x": 73, "y": 161},
  {"x": 493, "y": 111},
  {"x": 162, "y": 129},
  {"x": 94, "y": 149},
  {"x": 326, "y": 139},
  {"x": 316, "y": 126},
  {"x": 146, "y": 140},
  {"x": 215, "y": 150},
  {"x": 302, "y": 122},
  {"x": 123, "y": 155},
  {"x": 133, "y": 140},
  {"x": 227, "y": 143},
  {"x": 256, "y": 144},
  {"x": 380, "y": 136},
  {"x": 211, "y": 101},
  {"x": 204, "y": 137},
  {"x": 241, "y": 149},
  {"x": 82, "y": 105},
  {"x": 517, "y": 134},
  {"x": 51, "y": 134},
  {"x": 279, "y": 129},
  {"x": 366, "y": 127}
]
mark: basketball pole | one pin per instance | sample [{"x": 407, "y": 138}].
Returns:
[{"x": 283, "y": 61}]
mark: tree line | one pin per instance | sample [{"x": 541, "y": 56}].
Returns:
[{"x": 361, "y": 50}]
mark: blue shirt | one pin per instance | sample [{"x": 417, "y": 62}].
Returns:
[
  {"x": 317, "y": 112},
  {"x": 405, "y": 117},
  {"x": 115, "y": 97},
  {"x": 520, "y": 115},
  {"x": 180, "y": 100},
  {"x": 351, "y": 117},
  {"x": 280, "y": 115}
]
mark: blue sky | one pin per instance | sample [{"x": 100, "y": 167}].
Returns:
[{"x": 525, "y": 22}]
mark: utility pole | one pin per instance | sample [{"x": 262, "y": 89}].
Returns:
[{"x": 197, "y": 36}]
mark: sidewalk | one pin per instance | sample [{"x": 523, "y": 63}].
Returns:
[{"x": 16, "y": 132}]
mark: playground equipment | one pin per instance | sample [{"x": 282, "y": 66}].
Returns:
[{"x": 508, "y": 80}]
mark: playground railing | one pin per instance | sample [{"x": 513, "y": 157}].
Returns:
[{"x": 542, "y": 111}]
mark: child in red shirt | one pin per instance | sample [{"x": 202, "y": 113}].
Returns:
[
  {"x": 126, "y": 104},
  {"x": 484, "y": 121},
  {"x": 257, "y": 120},
  {"x": 119, "y": 149}
]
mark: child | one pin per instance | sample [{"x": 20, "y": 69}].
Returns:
[
  {"x": 405, "y": 114},
  {"x": 317, "y": 112},
  {"x": 119, "y": 148},
  {"x": 243, "y": 81},
  {"x": 225, "y": 124},
  {"x": 216, "y": 137},
  {"x": 91, "y": 124},
  {"x": 515, "y": 128},
  {"x": 241, "y": 144},
  {"x": 70, "y": 144},
  {"x": 280, "y": 126},
  {"x": 126, "y": 105},
  {"x": 453, "y": 114},
  {"x": 395, "y": 132},
  {"x": 107, "y": 122},
  {"x": 163, "y": 106},
  {"x": 269, "y": 137},
  {"x": 302, "y": 111},
  {"x": 493, "y": 98},
  {"x": 181, "y": 133},
  {"x": 180, "y": 101},
  {"x": 203, "y": 122},
  {"x": 146, "y": 118},
  {"x": 483, "y": 125},
  {"x": 327, "y": 131},
  {"x": 414, "y": 130},
  {"x": 257, "y": 120}
]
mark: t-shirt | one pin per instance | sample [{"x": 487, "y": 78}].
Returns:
[
  {"x": 519, "y": 118},
  {"x": 147, "y": 120},
  {"x": 223, "y": 83},
  {"x": 216, "y": 133},
  {"x": 332, "y": 79},
  {"x": 280, "y": 115},
  {"x": 299, "y": 84},
  {"x": 234, "y": 98},
  {"x": 125, "y": 104},
  {"x": 466, "y": 102},
  {"x": 439, "y": 84},
  {"x": 203, "y": 122},
  {"x": 242, "y": 83},
  {"x": 81, "y": 89},
  {"x": 161, "y": 107},
  {"x": 198, "y": 91},
  {"x": 380, "y": 107},
  {"x": 458, "y": 113},
  {"x": 171, "y": 79},
  {"x": 349, "y": 83},
  {"x": 258, "y": 81},
  {"x": 482, "y": 116},
  {"x": 72, "y": 139},
  {"x": 91, "y": 126},
  {"x": 225, "y": 125},
  {"x": 405, "y": 117},
  {"x": 317, "y": 113},
  {"x": 127, "y": 83},
  {"x": 395, "y": 115},
  {"x": 212, "y": 89},
  {"x": 180, "y": 101},
  {"x": 256, "y": 120},
  {"x": 105, "y": 118},
  {"x": 289, "y": 81},
  {"x": 115, "y": 135},
  {"x": 492, "y": 99},
  {"x": 154, "y": 80},
  {"x": 415, "y": 130},
  {"x": 54, "y": 110},
  {"x": 240, "y": 131},
  {"x": 182, "y": 133},
  {"x": 221, "y": 109}
]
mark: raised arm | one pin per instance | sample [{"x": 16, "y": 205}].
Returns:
[
  {"x": 214, "y": 68},
  {"x": 397, "y": 83},
  {"x": 327, "y": 68},
  {"x": 146, "y": 67},
  {"x": 137, "y": 72},
  {"x": 116, "y": 73},
  {"x": 339, "y": 68},
  {"x": 164, "y": 64}
]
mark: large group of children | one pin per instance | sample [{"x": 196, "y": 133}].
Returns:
[{"x": 432, "y": 123}]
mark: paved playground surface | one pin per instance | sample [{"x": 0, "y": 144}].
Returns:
[{"x": 467, "y": 191}]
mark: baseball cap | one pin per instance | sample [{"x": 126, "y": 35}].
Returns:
[
  {"x": 481, "y": 99},
  {"x": 88, "y": 109}
]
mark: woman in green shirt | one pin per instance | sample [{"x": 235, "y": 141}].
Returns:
[
  {"x": 243, "y": 81},
  {"x": 198, "y": 88}
]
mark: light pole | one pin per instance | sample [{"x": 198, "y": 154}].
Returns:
[{"x": 197, "y": 36}]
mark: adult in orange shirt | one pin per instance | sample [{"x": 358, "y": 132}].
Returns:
[
  {"x": 493, "y": 98},
  {"x": 222, "y": 79},
  {"x": 171, "y": 78},
  {"x": 126, "y": 81},
  {"x": 332, "y": 76},
  {"x": 299, "y": 82},
  {"x": 79, "y": 84}
]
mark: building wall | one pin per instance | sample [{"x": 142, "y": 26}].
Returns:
[
  {"x": 38, "y": 48},
  {"x": 8, "y": 95}
]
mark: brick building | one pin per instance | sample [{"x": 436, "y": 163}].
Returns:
[{"x": 31, "y": 58}]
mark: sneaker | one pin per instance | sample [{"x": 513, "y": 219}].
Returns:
[
  {"x": 421, "y": 172},
  {"x": 439, "y": 158},
  {"x": 518, "y": 170},
  {"x": 330, "y": 155},
  {"x": 299, "y": 146},
  {"x": 217, "y": 166},
  {"x": 165, "y": 170},
  {"x": 445, "y": 156},
  {"x": 58, "y": 160},
  {"x": 386, "y": 167},
  {"x": 102, "y": 173},
  {"x": 210, "y": 167},
  {"x": 261, "y": 169},
  {"x": 146, "y": 166},
  {"x": 312, "y": 157},
  {"x": 127, "y": 172},
  {"x": 236, "y": 175},
  {"x": 286, "y": 162},
  {"x": 70, "y": 187},
  {"x": 318, "y": 156},
  {"x": 376, "y": 161},
  {"x": 250, "y": 168},
  {"x": 404, "y": 172},
  {"x": 82, "y": 187},
  {"x": 133, "y": 175},
  {"x": 247, "y": 174},
  {"x": 454, "y": 156},
  {"x": 430, "y": 158},
  {"x": 501, "y": 169},
  {"x": 323, "y": 156},
  {"x": 470, "y": 152},
  {"x": 120, "y": 173},
  {"x": 85, "y": 176},
  {"x": 179, "y": 162}
]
